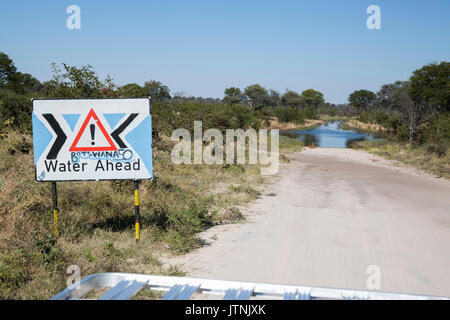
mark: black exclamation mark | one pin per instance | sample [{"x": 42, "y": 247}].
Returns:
[{"x": 92, "y": 127}]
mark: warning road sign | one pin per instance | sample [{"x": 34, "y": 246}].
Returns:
[
  {"x": 92, "y": 139},
  {"x": 93, "y": 142}
]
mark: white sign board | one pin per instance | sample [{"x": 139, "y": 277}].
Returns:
[{"x": 92, "y": 139}]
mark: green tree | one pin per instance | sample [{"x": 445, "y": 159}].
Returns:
[
  {"x": 15, "y": 110},
  {"x": 387, "y": 96},
  {"x": 257, "y": 96},
  {"x": 431, "y": 85},
  {"x": 23, "y": 83},
  {"x": 361, "y": 99},
  {"x": 414, "y": 113},
  {"x": 7, "y": 69},
  {"x": 291, "y": 99},
  {"x": 15, "y": 95},
  {"x": 274, "y": 98},
  {"x": 157, "y": 91},
  {"x": 288, "y": 114},
  {"x": 312, "y": 99},
  {"x": 132, "y": 90},
  {"x": 73, "y": 82},
  {"x": 425, "y": 97},
  {"x": 16, "y": 81},
  {"x": 233, "y": 95}
]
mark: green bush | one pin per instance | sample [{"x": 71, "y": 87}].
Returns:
[
  {"x": 354, "y": 143},
  {"x": 289, "y": 114},
  {"x": 184, "y": 224},
  {"x": 440, "y": 150},
  {"x": 15, "y": 110}
]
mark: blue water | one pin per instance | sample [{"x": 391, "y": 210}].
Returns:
[{"x": 328, "y": 135}]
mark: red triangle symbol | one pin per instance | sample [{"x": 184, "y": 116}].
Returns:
[{"x": 75, "y": 147}]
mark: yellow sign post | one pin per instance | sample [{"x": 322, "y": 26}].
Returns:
[
  {"x": 137, "y": 217},
  {"x": 55, "y": 209}
]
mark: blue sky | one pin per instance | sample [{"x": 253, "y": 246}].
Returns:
[{"x": 202, "y": 47}]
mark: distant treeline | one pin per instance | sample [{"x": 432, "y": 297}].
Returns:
[{"x": 416, "y": 110}]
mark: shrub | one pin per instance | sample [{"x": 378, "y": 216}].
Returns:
[
  {"x": 354, "y": 143},
  {"x": 440, "y": 150},
  {"x": 289, "y": 114},
  {"x": 184, "y": 224},
  {"x": 15, "y": 110}
]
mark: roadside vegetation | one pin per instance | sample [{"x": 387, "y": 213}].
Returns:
[
  {"x": 432, "y": 158},
  {"x": 97, "y": 219},
  {"x": 413, "y": 118}
]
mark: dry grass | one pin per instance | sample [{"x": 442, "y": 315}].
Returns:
[
  {"x": 418, "y": 157},
  {"x": 97, "y": 218},
  {"x": 308, "y": 124},
  {"x": 363, "y": 126}
]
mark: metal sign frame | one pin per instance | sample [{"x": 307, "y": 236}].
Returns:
[{"x": 123, "y": 286}]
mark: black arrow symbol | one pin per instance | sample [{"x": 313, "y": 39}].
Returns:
[
  {"x": 119, "y": 130},
  {"x": 60, "y": 136}
]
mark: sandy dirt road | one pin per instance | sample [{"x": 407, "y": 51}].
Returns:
[{"x": 336, "y": 212}]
